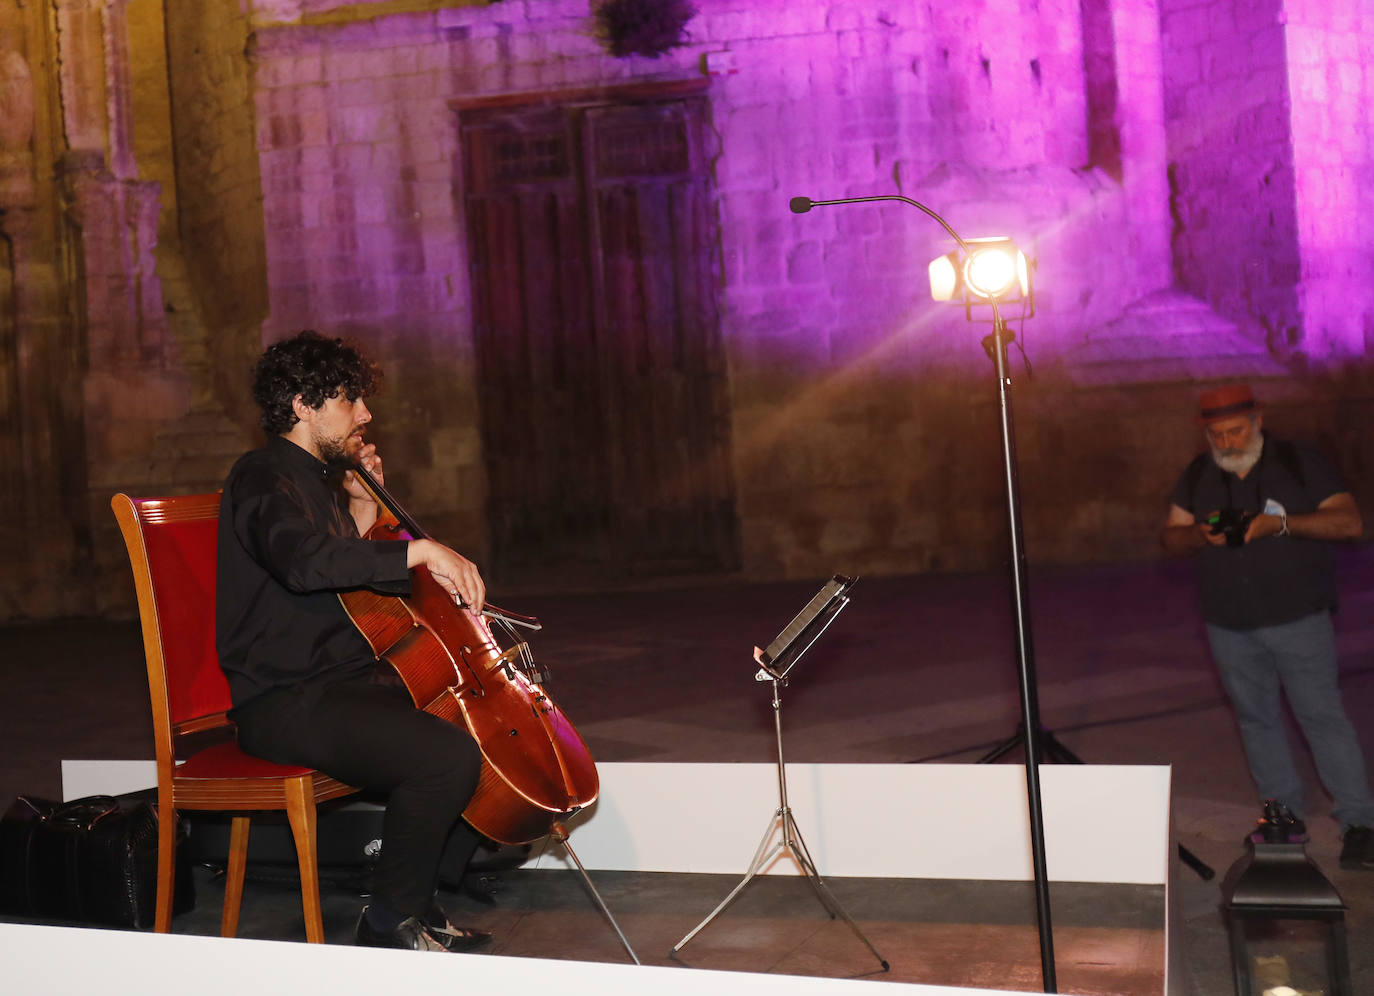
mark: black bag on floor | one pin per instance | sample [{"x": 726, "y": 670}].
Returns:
[{"x": 87, "y": 861}]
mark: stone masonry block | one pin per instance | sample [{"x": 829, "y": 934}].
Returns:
[
  {"x": 371, "y": 205},
  {"x": 857, "y": 220},
  {"x": 845, "y": 16},
  {"x": 303, "y": 68},
  {"x": 1193, "y": 25},
  {"x": 1311, "y": 88},
  {"x": 1266, "y": 48},
  {"x": 804, "y": 263},
  {"x": 402, "y": 60},
  {"x": 739, "y": 25},
  {"x": 352, "y": 158},
  {"x": 314, "y": 129}
]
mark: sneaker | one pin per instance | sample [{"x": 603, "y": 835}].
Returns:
[{"x": 1357, "y": 848}]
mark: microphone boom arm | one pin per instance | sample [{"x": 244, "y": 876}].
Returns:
[{"x": 801, "y": 205}]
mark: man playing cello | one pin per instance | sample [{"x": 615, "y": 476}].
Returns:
[{"x": 306, "y": 686}]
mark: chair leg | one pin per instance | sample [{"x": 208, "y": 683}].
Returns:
[
  {"x": 233, "y": 876},
  {"x": 166, "y": 863},
  {"x": 300, "y": 810}
]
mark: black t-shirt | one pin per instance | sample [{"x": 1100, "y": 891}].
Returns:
[
  {"x": 287, "y": 546},
  {"x": 1277, "y": 579}
]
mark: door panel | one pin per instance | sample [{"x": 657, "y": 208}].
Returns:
[{"x": 604, "y": 417}]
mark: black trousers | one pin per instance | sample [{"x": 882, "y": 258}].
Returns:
[{"x": 370, "y": 734}]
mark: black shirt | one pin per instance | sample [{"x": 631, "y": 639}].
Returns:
[
  {"x": 287, "y": 545},
  {"x": 1278, "y": 579}
]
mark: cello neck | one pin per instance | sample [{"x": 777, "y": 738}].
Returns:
[
  {"x": 385, "y": 499},
  {"x": 408, "y": 523}
]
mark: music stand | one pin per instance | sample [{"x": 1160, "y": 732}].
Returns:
[{"x": 774, "y": 663}]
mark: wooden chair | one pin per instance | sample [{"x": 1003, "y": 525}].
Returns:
[{"x": 172, "y": 544}]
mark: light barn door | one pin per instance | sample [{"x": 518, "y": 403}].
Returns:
[{"x": 604, "y": 419}]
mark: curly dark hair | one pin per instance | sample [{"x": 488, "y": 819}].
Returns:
[{"x": 313, "y": 366}]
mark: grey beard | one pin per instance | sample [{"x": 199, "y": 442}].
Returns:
[{"x": 1239, "y": 462}]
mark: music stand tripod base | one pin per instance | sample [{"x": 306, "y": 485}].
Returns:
[{"x": 794, "y": 641}]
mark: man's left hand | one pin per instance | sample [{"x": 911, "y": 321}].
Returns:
[
  {"x": 369, "y": 459},
  {"x": 361, "y": 504},
  {"x": 1263, "y": 525}
]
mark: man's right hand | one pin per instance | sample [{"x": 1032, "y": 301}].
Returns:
[
  {"x": 1210, "y": 535},
  {"x": 455, "y": 573},
  {"x": 1182, "y": 533}
]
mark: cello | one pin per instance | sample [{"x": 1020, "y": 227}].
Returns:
[{"x": 536, "y": 769}]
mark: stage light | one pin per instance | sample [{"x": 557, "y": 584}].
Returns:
[
  {"x": 983, "y": 271},
  {"x": 990, "y": 270},
  {"x": 993, "y": 283}
]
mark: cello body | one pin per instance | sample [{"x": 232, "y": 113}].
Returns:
[{"x": 536, "y": 769}]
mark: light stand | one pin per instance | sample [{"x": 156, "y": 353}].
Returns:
[
  {"x": 996, "y": 346},
  {"x": 774, "y": 664}
]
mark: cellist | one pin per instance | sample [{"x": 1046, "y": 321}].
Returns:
[{"x": 306, "y": 686}]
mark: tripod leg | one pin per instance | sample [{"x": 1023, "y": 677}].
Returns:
[
  {"x": 1055, "y": 750},
  {"x": 599, "y": 901},
  {"x": 1005, "y": 747},
  {"x": 1204, "y": 870},
  {"x": 827, "y": 897},
  {"x": 759, "y": 862},
  {"x": 797, "y": 846}
]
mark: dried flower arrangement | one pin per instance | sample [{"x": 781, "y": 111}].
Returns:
[{"x": 643, "y": 27}]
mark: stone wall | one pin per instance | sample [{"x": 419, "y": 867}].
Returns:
[
  {"x": 1329, "y": 49},
  {"x": 1233, "y": 185},
  {"x": 826, "y": 317},
  {"x": 197, "y": 179},
  {"x": 220, "y": 259}
]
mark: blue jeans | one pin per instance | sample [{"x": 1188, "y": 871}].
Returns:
[{"x": 1301, "y": 657}]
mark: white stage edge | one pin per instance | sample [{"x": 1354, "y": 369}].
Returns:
[
  {"x": 1103, "y": 823},
  {"x": 58, "y": 961}
]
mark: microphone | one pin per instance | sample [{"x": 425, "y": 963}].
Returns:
[{"x": 801, "y": 205}]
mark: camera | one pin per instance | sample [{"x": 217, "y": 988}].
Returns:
[{"x": 1231, "y": 522}]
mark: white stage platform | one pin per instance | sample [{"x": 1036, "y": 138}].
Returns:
[{"x": 1104, "y": 824}]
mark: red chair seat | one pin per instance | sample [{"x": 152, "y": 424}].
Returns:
[{"x": 226, "y": 760}]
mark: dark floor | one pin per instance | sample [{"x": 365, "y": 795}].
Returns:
[{"x": 916, "y": 669}]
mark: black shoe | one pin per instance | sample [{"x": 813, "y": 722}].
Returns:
[
  {"x": 410, "y": 935},
  {"x": 442, "y": 930},
  {"x": 1357, "y": 849}
]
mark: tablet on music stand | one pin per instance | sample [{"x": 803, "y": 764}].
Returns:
[{"x": 805, "y": 628}]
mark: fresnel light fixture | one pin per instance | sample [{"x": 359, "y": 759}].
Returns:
[{"x": 983, "y": 271}]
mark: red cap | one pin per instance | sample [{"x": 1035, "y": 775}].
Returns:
[{"x": 1226, "y": 402}]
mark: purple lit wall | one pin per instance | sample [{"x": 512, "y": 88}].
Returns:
[
  {"x": 1192, "y": 177},
  {"x": 1130, "y": 147},
  {"x": 1270, "y": 142},
  {"x": 1330, "y": 49},
  {"x": 979, "y": 110}
]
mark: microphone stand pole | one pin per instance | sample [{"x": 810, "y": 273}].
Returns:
[{"x": 996, "y": 347}]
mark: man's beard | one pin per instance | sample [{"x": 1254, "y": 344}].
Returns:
[
  {"x": 1239, "y": 461},
  {"x": 335, "y": 450}
]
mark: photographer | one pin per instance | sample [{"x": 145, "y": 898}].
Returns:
[{"x": 1260, "y": 513}]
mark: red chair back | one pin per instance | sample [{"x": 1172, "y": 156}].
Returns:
[{"x": 172, "y": 548}]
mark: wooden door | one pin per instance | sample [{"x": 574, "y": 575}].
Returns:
[{"x": 605, "y": 424}]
